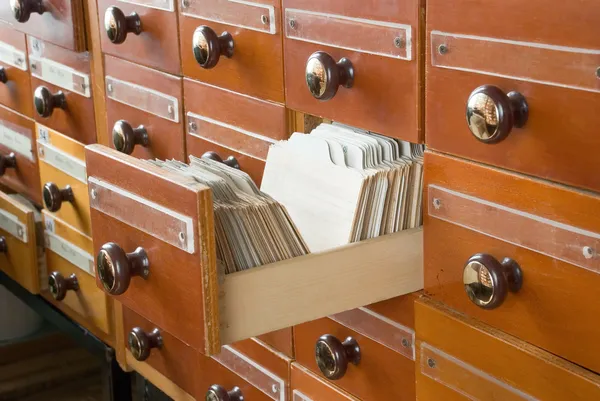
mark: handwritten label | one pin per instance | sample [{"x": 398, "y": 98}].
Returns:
[
  {"x": 70, "y": 252},
  {"x": 60, "y": 75},
  {"x": 12, "y": 56},
  {"x": 11, "y": 224},
  {"x": 167, "y": 5},
  {"x": 16, "y": 141},
  {"x": 63, "y": 161}
]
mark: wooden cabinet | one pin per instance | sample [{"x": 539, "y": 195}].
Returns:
[
  {"x": 15, "y": 84},
  {"x": 308, "y": 387}
]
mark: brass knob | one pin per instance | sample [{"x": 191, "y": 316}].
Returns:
[
  {"x": 492, "y": 114},
  {"x": 9, "y": 161},
  {"x": 117, "y": 25},
  {"x": 115, "y": 267},
  {"x": 3, "y": 76},
  {"x": 218, "y": 393},
  {"x": 141, "y": 343},
  {"x": 230, "y": 161},
  {"x": 333, "y": 356},
  {"x": 59, "y": 285},
  {"x": 45, "y": 102},
  {"x": 3, "y": 244},
  {"x": 22, "y": 9},
  {"x": 125, "y": 137},
  {"x": 324, "y": 75},
  {"x": 54, "y": 196},
  {"x": 488, "y": 281},
  {"x": 208, "y": 47}
]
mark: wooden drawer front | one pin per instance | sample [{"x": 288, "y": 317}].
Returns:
[
  {"x": 380, "y": 42},
  {"x": 308, "y": 387},
  {"x": 15, "y": 93},
  {"x": 17, "y": 136},
  {"x": 386, "y": 353},
  {"x": 61, "y": 70},
  {"x": 464, "y": 54},
  {"x": 281, "y": 340},
  {"x": 256, "y": 65},
  {"x": 157, "y": 45},
  {"x": 62, "y": 163},
  {"x": 20, "y": 227},
  {"x": 461, "y": 359},
  {"x": 138, "y": 96},
  {"x": 69, "y": 252},
  {"x": 550, "y": 231}
]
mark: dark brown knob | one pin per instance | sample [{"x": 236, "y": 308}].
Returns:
[
  {"x": 8, "y": 161},
  {"x": 230, "y": 161},
  {"x": 45, "y": 102},
  {"x": 54, "y": 196},
  {"x": 117, "y": 25},
  {"x": 115, "y": 267},
  {"x": 3, "y": 76},
  {"x": 125, "y": 137},
  {"x": 333, "y": 356},
  {"x": 487, "y": 281},
  {"x": 3, "y": 244},
  {"x": 59, "y": 285},
  {"x": 141, "y": 343},
  {"x": 218, "y": 393},
  {"x": 208, "y": 47},
  {"x": 492, "y": 114},
  {"x": 22, "y": 9},
  {"x": 324, "y": 76}
]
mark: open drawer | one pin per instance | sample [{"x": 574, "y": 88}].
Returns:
[{"x": 153, "y": 235}]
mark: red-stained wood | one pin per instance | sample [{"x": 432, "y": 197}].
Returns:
[
  {"x": 281, "y": 340},
  {"x": 316, "y": 389},
  {"x": 15, "y": 93}
]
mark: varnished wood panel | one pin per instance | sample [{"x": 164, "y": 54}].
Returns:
[
  {"x": 266, "y": 356},
  {"x": 314, "y": 388},
  {"x": 555, "y": 308},
  {"x": 15, "y": 93},
  {"x": 282, "y": 340},
  {"x": 399, "y": 309}
]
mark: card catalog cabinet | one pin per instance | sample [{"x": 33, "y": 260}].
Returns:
[{"x": 15, "y": 86}]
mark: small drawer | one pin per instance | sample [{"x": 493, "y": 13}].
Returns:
[
  {"x": 517, "y": 253},
  {"x": 486, "y": 102},
  {"x": 71, "y": 285},
  {"x": 360, "y": 351},
  {"x": 281, "y": 340},
  {"x": 15, "y": 84},
  {"x": 63, "y": 178},
  {"x": 144, "y": 111},
  {"x": 234, "y": 45},
  {"x": 232, "y": 124},
  {"x": 144, "y": 32},
  {"x": 18, "y": 155},
  {"x": 60, "y": 22},
  {"x": 62, "y": 90},
  {"x": 459, "y": 358},
  {"x": 308, "y": 387},
  {"x": 354, "y": 64},
  {"x": 21, "y": 242}
]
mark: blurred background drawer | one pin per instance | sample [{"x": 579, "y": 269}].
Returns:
[
  {"x": 15, "y": 85},
  {"x": 60, "y": 22},
  {"x": 63, "y": 178},
  {"x": 234, "y": 45},
  {"x": 62, "y": 90},
  {"x": 20, "y": 171},
  {"x": 460, "y": 359},
  {"x": 520, "y": 95},
  {"x": 144, "y": 111},
  {"x": 366, "y": 72},
  {"x": 517, "y": 253},
  {"x": 144, "y": 32},
  {"x": 308, "y": 387}
]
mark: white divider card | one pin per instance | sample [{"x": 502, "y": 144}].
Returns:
[
  {"x": 245, "y": 14},
  {"x": 12, "y": 56},
  {"x": 16, "y": 138}
]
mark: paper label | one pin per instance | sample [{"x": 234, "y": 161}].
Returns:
[
  {"x": 16, "y": 141},
  {"x": 70, "y": 252},
  {"x": 166, "y": 5},
  {"x": 12, "y": 56},
  {"x": 60, "y": 75},
  {"x": 11, "y": 224},
  {"x": 62, "y": 161}
]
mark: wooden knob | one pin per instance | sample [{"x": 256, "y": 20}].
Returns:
[
  {"x": 115, "y": 267},
  {"x": 208, "y": 47},
  {"x": 324, "y": 76},
  {"x": 22, "y": 9},
  {"x": 3, "y": 76},
  {"x": 125, "y": 137},
  {"x": 3, "y": 244},
  {"x": 230, "y": 161},
  {"x": 54, "y": 196},
  {"x": 59, "y": 285},
  {"x": 218, "y": 393},
  {"x": 8, "y": 161},
  {"x": 141, "y": 343},
  {"x": 45, "y": 102},
  {"x": 117, "y": 25},
  {"x": 333, "y": 356},
  {"x": 487, "y": 281}
]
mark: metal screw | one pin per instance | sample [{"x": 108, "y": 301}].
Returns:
[
  {"x": 598, "y": 72},
  {"x": 442, "y": 49},
  {"x": 33, "y": 66},
  {"x": 399, "y": 42},
  {"x": 36, "y": 44},
  {"x": 405, "y": 343},
  {"x": 109, "y": 88},
  {"x": 170, "y": 109},
  {"x": 20, "y": 232},
  {"x": 94, "y": 193},
  {"x": 19, "y": 61},
  {"x": 185, "y": 3},
  {"x": 430, "y": 363},
  {"x": 293, "y": 23},
  {"x": 41, "y": 151},
  {"x": 264, "y": 19},
  {"x": 588, "y": 252},
  {"x": 274, "y": 388},
  {"x": 437, "y": 203},
  {"x": 181, "y": 236},
  {"x": 192, "y": 126}
]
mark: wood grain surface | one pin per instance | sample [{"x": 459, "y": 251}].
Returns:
[
  {"x": 317, "y": 389},
  {"x": 16, "y": 93}
]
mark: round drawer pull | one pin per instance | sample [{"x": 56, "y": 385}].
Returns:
[
  {"x": 115, "y": 267},
  {"x": 492, "y": 114},
  {"x": 333, "y": 356},
  {"x": 141, "y": 343},
  {"x": 324, "y": 75},
  {"x": 9, "y": 161},
  {"x": 218, "y": 393},
  {"x": 488, "y": 281},
  {"x": 208, "y": 47},
  {"x": 59, "y": 285},
  {"x": 117, "y": 25},
  {"x": 3, "y": 244},
  {"x": 22, "y": 9},
  {"x": 3, "y": 76},
  {"x": 125, "y": 137},
  {"x": 230, "y": 161},
  {"x": 54, "y": 196},
  {"x": 45, "y": 102}
]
